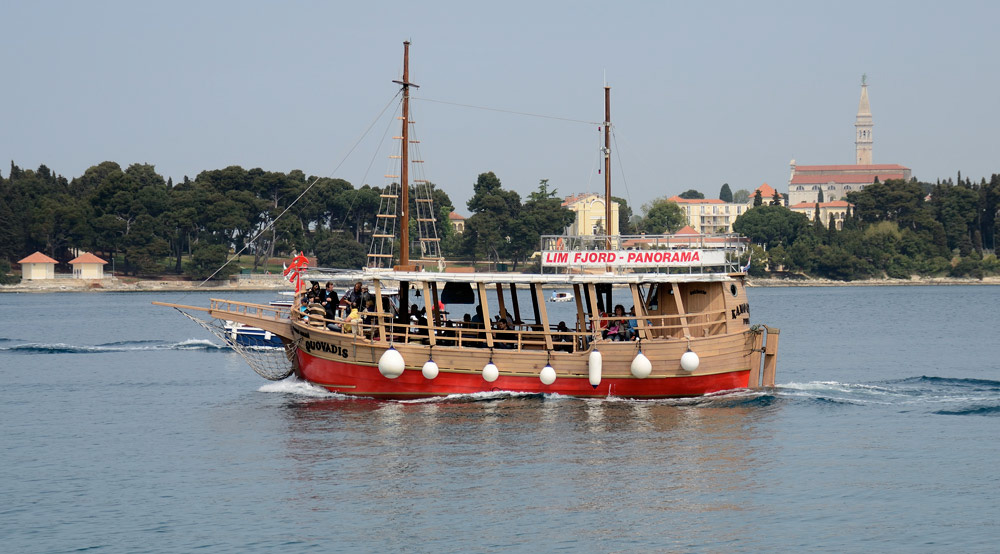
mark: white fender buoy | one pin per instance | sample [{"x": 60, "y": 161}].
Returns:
[
  {"x": 391, "y": 364},
  {"x": 548, "y": 375},
  {"x": 430, "y": 369},
  {"x": 490, "y": 372},
  {"x": 594, "y": 368},
  {"x": 641, "y": 366},
  {"x": 690, "y": 361}
]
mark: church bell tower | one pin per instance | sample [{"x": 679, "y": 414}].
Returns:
[{"x": 863, "y": 127}]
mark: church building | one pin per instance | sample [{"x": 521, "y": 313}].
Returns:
[{"x": 835, "y": 181}]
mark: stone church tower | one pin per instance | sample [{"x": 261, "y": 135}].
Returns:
[{"x": 863, "y": 127}]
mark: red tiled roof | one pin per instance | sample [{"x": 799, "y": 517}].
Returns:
[
  {"x": 680, "y": 200},
  {"x": 37, "y": 258},
  {"x": 455, "y": 217},
  {"x": 809, "y": 205},
  {"x": 856, "y": 178},
  {"x": 766, "y": 191},
  {"x": 87, "y": 258},
  {"x": 687, "y": 230},
  {"x": 871, "y": 167},
  {"x": 576, "y": 197}
]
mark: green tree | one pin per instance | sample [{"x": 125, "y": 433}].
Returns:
[
  {"x": 625, "y": 224},
  {"x": 542, "y": 214},
  {"x": 771, "y": 225},
  {"x": 662, "y": 216},
  {"x": 758, "y": 200},
  {"x": 208, "y": 259},
  {"x": 494, "y": 213},
  {"x": 691, "y": 194},
  {"x": 725, "y": 194},
  {"x": 340, "y": 251},
  {"x": 741, "y": 196}
]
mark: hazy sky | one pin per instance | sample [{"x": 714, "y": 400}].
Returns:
[{"x": 702, "y": 93}]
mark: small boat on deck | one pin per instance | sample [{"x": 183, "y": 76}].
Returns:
[
  {"x": 561, "y": 296},
  {"x": 687, "y": 332}
]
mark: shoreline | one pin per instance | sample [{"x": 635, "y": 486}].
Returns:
[{"x": 156, "y": 285}]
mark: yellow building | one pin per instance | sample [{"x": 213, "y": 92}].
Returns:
[
  {"x": 590, "y": 216},
  {"x": 88, "y": 266},
  {"x": 836, "y": 210},
  {"x": 457, "y": 222},
  {"x": 709, "y": 215},
  {"x": 38, "y": 266}
]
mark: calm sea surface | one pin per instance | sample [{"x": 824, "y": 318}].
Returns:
[{"x": 126, "y": 427}]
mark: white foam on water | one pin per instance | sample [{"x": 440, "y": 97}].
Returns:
[
  {"x": 297, "y": 387},
  {"x": 192, "y": 344}
]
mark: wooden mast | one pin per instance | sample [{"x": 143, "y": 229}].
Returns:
[
  {"x": 607, "y": 165},
  {"x": 404, "y": 184}
]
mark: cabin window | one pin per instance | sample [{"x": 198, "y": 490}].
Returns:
[{"x": 732, "y": 289}]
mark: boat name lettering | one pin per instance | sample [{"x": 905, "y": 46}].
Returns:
[
  {"x": 633, "y": 258},
  {"x": 326, "y": 347},
  {"x": 743, "y": 308}
]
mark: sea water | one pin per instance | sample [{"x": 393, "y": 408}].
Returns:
[{"x": 128, "y": 428}]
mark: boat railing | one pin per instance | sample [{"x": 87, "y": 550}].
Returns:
[
  {"x": 379, "y": 326},
  {"x": 699, "y": 324},
  {"x": 249, "y": 309}
]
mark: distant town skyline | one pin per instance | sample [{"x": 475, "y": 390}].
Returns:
[{"x": 701, "y": 94}]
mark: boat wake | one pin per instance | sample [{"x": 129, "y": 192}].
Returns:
[
  {"x": 297, "y": 387},
  {"x": 940, "y": 395},
  {"x": 118, "y": 346},
  {"x": 936, "y": 395}
]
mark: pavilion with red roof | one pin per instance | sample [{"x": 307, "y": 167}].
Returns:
[
  {"x": 88, "y": 266},
  {"x": 37, "y": 266}
]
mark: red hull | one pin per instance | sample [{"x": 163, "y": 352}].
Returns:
[{"x": 365, "y": 380}]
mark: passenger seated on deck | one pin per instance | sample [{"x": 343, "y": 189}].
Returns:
[
  {"x": 633, "y": 326},
  {"x": 504, "y": 338},
  {"x": 351, "y": 321},
  {"x": 618, "y": 328},
  {"x": 448, "y": 335},
  {"x": 562, "y": 336},
  {"x": 418, "y": 322},
  {"x": 368, "y": 319}
]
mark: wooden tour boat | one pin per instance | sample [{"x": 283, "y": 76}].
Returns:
[{"x": 689, "y": 335}]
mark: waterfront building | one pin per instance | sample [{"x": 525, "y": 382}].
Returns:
[
  {"x": 836, "y": 210},
  {"x": 835, "y": 181},
  {"x": 88, "y": 266},
  {"x": 590, "y": 216},
  {"x": 766, "y": 196},
  {"x": 457, "y": 222},
  {"x": 710, "y": 215},
  {"x": 37, "y": 266}
]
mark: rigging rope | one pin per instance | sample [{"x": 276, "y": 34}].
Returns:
[
  {"x": 357, "y": 191},
  {"x": 299, "y": 197},
  {"x": 621, "y": 169},
  {"x": 506, "y": 111}
]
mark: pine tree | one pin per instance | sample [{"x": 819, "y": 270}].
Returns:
[
  {"x": 819, "y": 198},
  {"x": 757, "y": 200},
  {"x": 726, "y": 194},
  {"x": 776, "y": 199}
]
